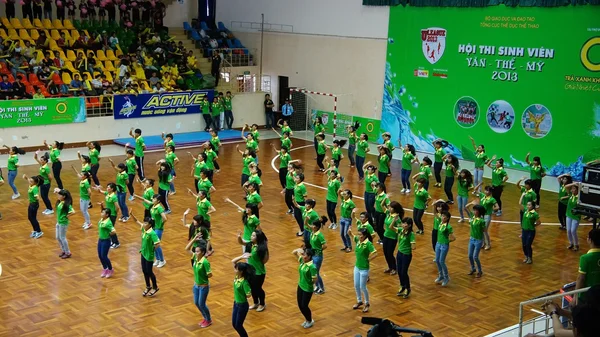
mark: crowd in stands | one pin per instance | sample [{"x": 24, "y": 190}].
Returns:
[{"x": 92, "y": 56}]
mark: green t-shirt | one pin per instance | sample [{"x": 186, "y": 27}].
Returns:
[
  {"x": 352, "y": 138},
  {"x": 336, "y": 153},
  {"x": 210, "y": 159},
  {"x": 251, "y": 145},
  {"x": 205, "y": 185},
  {"x": 443, "y": 235},
  {"x": 256, "y": 136},
  {"x": 33, "y": 192},
  {"x": 285, "y": 129},
  {"x": 384, "y": 163},
  {"x": 284, "y": 159},
  {"x": 121, "y": 181},
  {"x": 199, "y": 166},
  {"x": 366, "y": 225},
  {"x": 255, "y": 261},
  {"x": 563, "y": 192},
  {"x": 437, "y": 220},
  {"x": 362, "y": 252},
  {"x": 131, "y": 165},
  {"x": 156, "y": 213},
  {"x": 589, "y": 265},
  {"x": 54, "y": 155},
  {"x": 86, "y": 168},
  {"x": 94, "y": 156},
  {"x": 216, "y": 109},
  {"x": 529, "y": 196},
  {"x": 170, "y": 158},
  {"x": 438, "y": 155},
  {"x": 463, "y": 188},
  {"x": 148, "y": 194},
  {"x": 487, "y": 203},
  {"x": 477, "y": 228},
  {"x": 361, "y": 148},
  {"x": 388, "y": 223},
  {"x": 45, "y": 173},
  {"x": 252, "y": 222},
  {"x": 289, "y": 181},
  {"x": 317, "y": 240},
  {"x": 572, "y": 203},
  {"x": 201, "y": 270},
  {"x": 203, "y": 207},
  {"x": 254, "y": 178},
  {"x": 149, "y": 239},
  {"x": 347, "y": 207},
  {"x": 529, "y": 220},
  {"x": 407, "y": 158},
  {"x": 286, "y": 142},
  {"x": 449, "y": 170},
  {"x": 333, "y": 185},
  {"x": 241, "y": 290},
  {"x": 425, "y": 171},
  {"x": 421, "y": 196},
  {"x": 299, "y": 192},
  {"x": 379, "y": 198},
  {"x": 170, "y": 143},
  {"x": 389, "y": 145},
  {"x": 536, "y": 172},
  {"x": 110, "y": 202},
  {"x": 308, "y": 273},
  {"x": 370, "y": 179},
  {"x": 254, "y": 198},
  {"x": 61, "y": 217},
  {"x": 139, "y": 146},
  {"x": 205, "y": 105},
  {"x": 164, "y": 184},
  {"x": 405, "y": 242},
  {"x": 84, "y": 187},
  {"x": 498, "y": 175},
  {"x": 321, "y": 148},
  {"x": 312, "y": 216},
  {"x": 105, "y": 227},
  {"x": 13, "y": 160},
  {"x": 228, "y": 105},
  {"x": 319, "y": 128},
  {"x": 246, "y": 161},
  {"x": 480, "y": 159}
]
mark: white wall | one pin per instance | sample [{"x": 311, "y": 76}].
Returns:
[
  {"x": 322, "y": 17},
  {"x": 247, "y": 108},
  {"x": 179, "y": 12}
]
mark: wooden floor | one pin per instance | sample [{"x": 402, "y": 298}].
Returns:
[{"x": 42, "y": 295}]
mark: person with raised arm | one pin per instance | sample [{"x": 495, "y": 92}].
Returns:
[
  {"x": 499, "y": 178},
  {"x": 55, "y": 149},
  {"x": 112, "y": 203},
  {"x": 150, "y": 242},
  {"x": 481, "y": 159},
  {"x": 33, "y": 195},
  {"x": 202, "y": 274},
  {"x": 203, "y": 205},
  {"x": 121, "y": 182},
  {"x": 257, "y": 255},
  {"x": 365, "y": 252},
  {"x": 12, "y": 167},
  {"x": 44, "y": 172},
  {"x": 140, "y": 147},
  {"x": 306, "y": 282}
]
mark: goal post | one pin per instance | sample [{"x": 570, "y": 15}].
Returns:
[{"x": 322, "y": 101}]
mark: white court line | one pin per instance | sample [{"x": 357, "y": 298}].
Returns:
[{"x": 406, "y": 209}]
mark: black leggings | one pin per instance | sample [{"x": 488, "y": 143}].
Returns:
[
  {"x": 497, "y": 195},
  {"x": 130, "y": 183},
  {"x": 32, "y": 216},
  {"x": 94, "y": 172},
  {"x": 536, "y": 186},
  {"x": 165, "y": 198},
  {"x": 207, "y": 121},
  {"x": 437, "y": 170},
  {"x": 303, "y": 298},
  {"x": 331, "y": 211},
  {"x": 56, "y": 168},
  {"x": 44, "y": 190},
  {"x": 370, "y": 206},
  {"x": 217, "y": 167},
  {"x": 448, "y": 183},
  {"x": 289, "y": 195},
  {"x": 379, "y": 224},
  {"x": 403, "y": 262},
  {"x": 562, "y": 214},
  {"x": 196, "y": 185},
  {"x": 320, "y": 158},
  {"x": 283, "y": 171},
  {"x": 245, "y": 178},
  {"x": 148, "y": 273},
  {"x": 389, "y": 246},
  {"x": 298, "y": 216},
  {"x": 418, "y": 217},
  {"x": 258, "y": 293},
  {"x": 140, "y": 171},
  {"x": 114, "y": 238},
  {"x": 382, "y": 177}
]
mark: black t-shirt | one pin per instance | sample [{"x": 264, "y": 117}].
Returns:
[{"x": 268, "y": 102}]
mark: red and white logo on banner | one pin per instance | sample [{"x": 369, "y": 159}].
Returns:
[{"x": 434, "y": 43}]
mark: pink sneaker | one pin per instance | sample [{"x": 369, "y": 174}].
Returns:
[
  {"x": 205, "y": 324},
  {"x": 109, "y": 273},
  {"x": 104, "y": 273}
]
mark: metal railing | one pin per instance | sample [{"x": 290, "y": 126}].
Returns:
[
  {"x": 235, "y": 57},
  {"x": 267, "y": 27},
  {"x": 99, "y": 106}
]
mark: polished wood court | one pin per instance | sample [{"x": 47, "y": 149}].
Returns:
[{"x": 42, "y": 295}]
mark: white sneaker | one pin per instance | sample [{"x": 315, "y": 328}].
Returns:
[
  {"x": 303, "y": 324},
  {"x": 161, "y": 264},
  {"x": 49, "y": 212},
  {"x": 155, "y": 263},
  {"x": 335, "y": 226},
  {"x": 38, "y": 235},
  {"x": 408, "y": 191},
  {"x": 32, "y": 235},
  {"x": 15, "y": 196},
  {"x": 87, "y": 226},
  {"x": 309, "y": 324},
  {"x": 403, "y": 190},
  {"x": 131, "y": 198},
  {"x": 331, "y": 225}
]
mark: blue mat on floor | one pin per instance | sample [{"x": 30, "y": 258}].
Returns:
[{"x": 182, "y": 139}]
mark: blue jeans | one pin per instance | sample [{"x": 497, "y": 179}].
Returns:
[
  {"x": 441, "y": 251},
  {"x": 318, "y": 261},
  {"x": 527, "y": 237},
  {"x": 84, "y": 208},
  {"x": 240, "y": 310},
  {"x": 351, "y": 150},
  {"x": 474, "y": 248},
  {"x": 306, "y": 235},
  {"x": 477, "y": 177},
  {"x": 345, "y": 224},
  {"x": 462, "y": 202},
  {"x": 12, "y": 175},
  {"x": 406, "y": 178},
  {"x": 360, "y": 284},
  {"x": 121, "y": 197},
  {"x": 402, "y": 264},
  {"x": 270, "y": 119},
  {"x": 360, "y": 161},
  {"x": 200, "y": 295},
  {"x": 158, "y": 253},
  {"x": 572, "y": 225},
  {"x": 171, "y": 184},
  {"x": 103, "y": 249}
]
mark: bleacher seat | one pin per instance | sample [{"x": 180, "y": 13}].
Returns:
[
  {"x": 34, "y": 34},
  {"x": 67, "y": 24},
  {"x": 57, "y": 24},
  {"x": 16, "y": 24},
  {"x": 108, "y": 65},
  {"x": 110, "y": 55},
  {"x": 27, "y": 24},
  {"x": 47, "y": 24},
  {"x": 101, "y": 56},
  {"x": 6, "y": 23},
  {"x": 71, "y": 55},
  {"x": 66, "y": 78},
  {"x": 54, "y": 35},
  {"x": 204, "y": 26},
  {"x": 12, "y": 34},
  {"x": 3, "y": 34},
  {"x": 187, "y": 27},
  {"x": 222, "y": 27}
]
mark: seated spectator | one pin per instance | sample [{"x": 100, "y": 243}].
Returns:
[
  {"x": 123, "y": 69},
  {"x": 62, "y": 41},
  {"x": 48, "y": 61},
  {"x": 105, "y": 82},
  {"x": 6, "y": 87},
  {"x": 191, "y": 60},
  {"x": 19, "y": 89},
  {"x": 97, "y": 83},
  {"x": 88, "y": 88},
  {"x": 76, "y": 86},
  {"x": 44, "y": 74},
  {"x": 42, "y": 41},
  {"x": 109, "y": 91},
  {"x": 38, "y": 94},
  {"x": 19, "y": 64},
  {"x": 113, "y": 41},
  {"x": 29, "y": 50},
  {"x": 127, "y": 80},
  {"x": 158, "y": 88},
  {"x": 136, "y": 88},
  {"x": 168, "y": 82},
  {"x": 154, "y": 79}
]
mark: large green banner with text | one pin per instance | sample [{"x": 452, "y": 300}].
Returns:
[
  {"x": 31, "y": 112},
  {"x": 518, "y": 80}
]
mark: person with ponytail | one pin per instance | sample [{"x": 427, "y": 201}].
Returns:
[
  {"x": 362, "y": 148},
  {"x": 531, "y": 219},
  {"x": 250, "y": 221},
  {"x": 241, "y": 292},
  {"x": 140, "y": 147},
  {"x": 333, "y": 190},
  {"x": 64, "y": 209},
  {"x": 255, "y": 174},
  {"x": 284, "y": 136},
  {"x": 199, "y": 229},
  {"x": 563, "y": 198},
  {"x": 112, "y": 203},
  {"x": 12, "y": 167},
  {"x": 309, "y": 215},
  {"x": 202, "y": 272},
  {"x": 465, "y": 183},
  {"x": 254, "y": 198},
  {"x": 409, "y": 156},
  {"x": 94, "y": 155},
  {"x": 537, "y": 172},
  {"x": 387, "y": 142},
  {"x": 257, "y": 255},
  {"x": 348, "y": 209},
  {"x": 203, "y": 205},
  {"x": 364, "y": 252},
  {"x": 172, "y": 160},
  {"x": 131, "y": 170},
  {"x": 318, "y": 244},
  {"x": 321, "y": 150},
  {"x": 452, "y": 166},
  {"x": 422, "y": 197},
  {"x": 382, "y": 202},
  {"x": 251, "y": 142},
  {"x": 204, "y": 184},
  {"x": 44, "y": 172},
  {"x": 147, "y": 197},
  {"x": 199, "y": 166},
  {"x": 424, "y": 172},
  {"x": 86, "y": 164},
  {"x": 477, "y": 222},
  {"x": 490, "y": 205},
  {"x": 371, "y": 180},
  {"x": 439, "y": 154},
  {"x": 211, "y": 157},
  {"x": 384, "y": 163},
  {"x": 499, "y": 178},
  {"x": 55, "y": 149},
  {"x": 362, "y": 222},
  {"x": 33, "y": 194},
  {"x": 307, "y": 279},
  {"x": 292, "y": 169},
  {"x": 352, "y": 139},
  {"x": 105, "y": 231},
  {"x": 85, "y": 194},
  {"x": 445, "y": 236},
  {"x": 406, "y": 244},
  {"x": 159, "y": 217},
  {"x": 319, "y": 129},
  {"x": 284, "y": 160},
  {"x": 298, "y": 201},
  {"x": 248, "y": 156},
  {"x": 439, "y": 207},
  {"x": 573, "y": 218},
  {"x": 164, "y": 180},
  {"x": 150, "y": 242},
  {"x": 336, "y": 151},
  {"x": 121, "y": 182},
  {"x": 481, "y": 159},
  {"x": 393, "y": 217},
  {"x": 216, "y": 145}
]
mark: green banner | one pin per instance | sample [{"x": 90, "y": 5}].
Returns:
[
  {"x": 369, "y": 126},
  {"x": 518, "y": 80},
  {"x": 32, "y": 112}
]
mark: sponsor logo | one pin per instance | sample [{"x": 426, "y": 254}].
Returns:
[
  {"x": 434, "y": 43},
  {"x": 585, "y": 54},
  {"x": 128, "y": 108},
  {"x": 440, "y": 75},
  {"x": 421, "y": 73}
]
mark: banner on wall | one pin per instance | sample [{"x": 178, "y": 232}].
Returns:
[
  {"x": 32, "y": 112},
  {"x": 367, "y": 125},
  {"x": 160, "y": 105},
  {"x": 516, "y": 80}
]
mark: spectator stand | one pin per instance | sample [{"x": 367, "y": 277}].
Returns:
[{"x": 221, "y": 40}]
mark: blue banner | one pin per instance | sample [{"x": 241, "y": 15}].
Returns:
[{"x": 160, "y": 105}]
